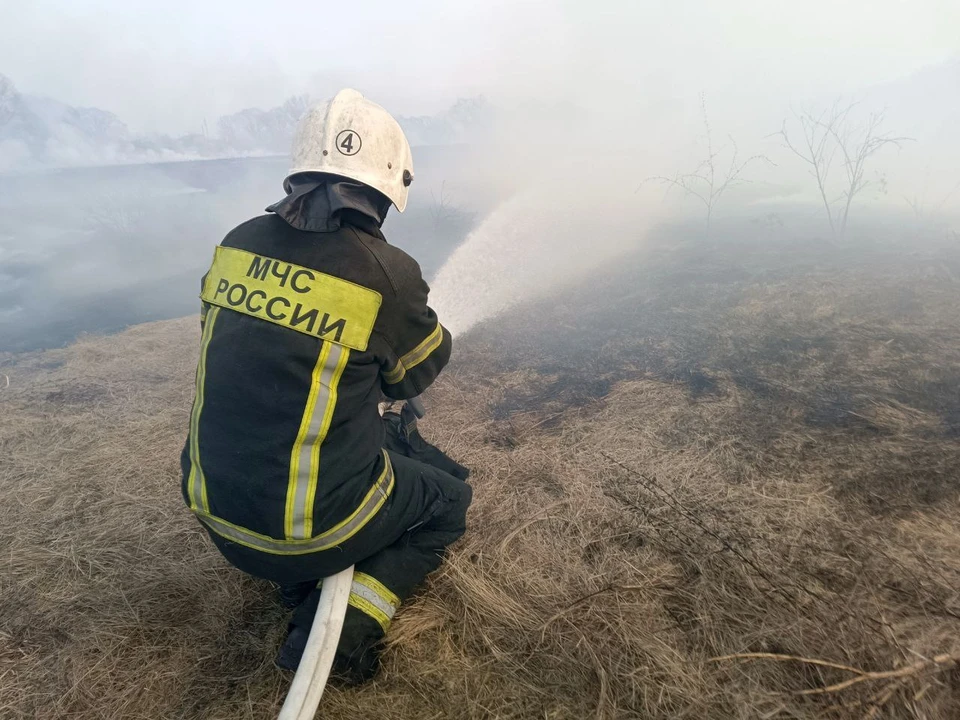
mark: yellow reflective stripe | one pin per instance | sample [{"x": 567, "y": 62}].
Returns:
[
  {"x": 365, "y": 606},
  {"x": 297, "y": 451},
  {"x": 344, "y": 355},
  {"x": 300, "y": 456},
  {"x": 416, "y": 356},
  {"x": 423, "y": 350},
  {"x": 396, "y": 375},
  {"x": 379, "y": 588},
  {"x": 196, "y": 483},
  {"x": 375, "y": 599},
  {"x": 371, "y": 496},
  {"x": 336, "y": 535}
]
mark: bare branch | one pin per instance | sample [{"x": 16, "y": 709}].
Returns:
[
  {"x": 858, "y": 144},
  {"x": 830, "y": 133},
  {"x": 708, "y": 183},
  {"x": 947, "y": 197}
]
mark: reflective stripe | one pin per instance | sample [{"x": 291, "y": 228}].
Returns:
[
  {"x": 292, "y": 513},
  {"x": 416, "y": 356},
  {"x": 324, "y": 429},
  {"x": 336, "y": 535},
  {"x": 368, "y": 608},
  {"x": 378, "y": 587},
  {"x": 396, "y": 375},
  {"x": 305, "y": 456},
  {"x": 423, "y": 350},
  {"x": 375, "y": 599},
  {"x": 196, "y": 483}
]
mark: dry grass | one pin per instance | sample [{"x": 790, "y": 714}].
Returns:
[{"x": 738, "y": 502}]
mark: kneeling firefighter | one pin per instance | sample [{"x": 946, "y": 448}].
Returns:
[{"x": 310, "y": 319}]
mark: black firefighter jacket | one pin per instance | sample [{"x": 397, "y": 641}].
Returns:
[{"x": 302, "y": 331}]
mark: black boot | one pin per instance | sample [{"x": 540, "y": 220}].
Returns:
[
  {"x": 359, "y": 665},
  {"x": 293, "y": 595},
  {"x": 288, "y": 657},
  {"x": 358, "y": 652}
]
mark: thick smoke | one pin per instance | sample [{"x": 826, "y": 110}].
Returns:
[{"x": 550, "y": 137}]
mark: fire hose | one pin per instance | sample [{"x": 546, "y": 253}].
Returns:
[{"x": 312, "y": 674}]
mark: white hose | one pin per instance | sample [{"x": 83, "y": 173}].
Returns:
[{"x": 305, "y": 692}]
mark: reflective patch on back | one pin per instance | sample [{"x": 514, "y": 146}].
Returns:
[{"x": 292, "y": 296}]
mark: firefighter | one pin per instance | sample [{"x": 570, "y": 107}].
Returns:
[{"x": 310, "y": 319}]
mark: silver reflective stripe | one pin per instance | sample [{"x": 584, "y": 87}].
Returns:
[
  {"x": 372, "y": 597},
  {"x": 306, "y": 474},
  {"x": 331, "y": 538}
]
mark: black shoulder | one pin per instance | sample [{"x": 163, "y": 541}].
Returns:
[
  {"x": 399, "y": 269},
  {"x": 240, "y": 236}
]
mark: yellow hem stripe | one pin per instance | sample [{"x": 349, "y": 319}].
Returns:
[{"x": 336, "y": 535}]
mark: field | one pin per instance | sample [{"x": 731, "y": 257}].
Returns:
[{"x": 720, "y": 480}]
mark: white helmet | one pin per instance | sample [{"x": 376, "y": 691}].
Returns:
[{"x": 357, "y": 139}]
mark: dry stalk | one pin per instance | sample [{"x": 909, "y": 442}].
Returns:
[
  {"x": 899, "y": 675},
  {"x": 542, "y": 515}
]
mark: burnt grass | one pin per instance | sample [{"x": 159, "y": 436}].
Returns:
[
  {"x": 712, "y": 452},
  {"x": 854, "y": 343}
]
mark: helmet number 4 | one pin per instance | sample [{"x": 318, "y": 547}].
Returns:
[{"x": 348, "y": 142}]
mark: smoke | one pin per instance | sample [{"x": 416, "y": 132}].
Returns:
[{"x": 586, "y": 105}]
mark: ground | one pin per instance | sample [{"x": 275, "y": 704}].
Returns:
[{"x": 720, "y": 480}]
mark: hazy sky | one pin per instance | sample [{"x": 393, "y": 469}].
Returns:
[{"x": 168, "y": 65}]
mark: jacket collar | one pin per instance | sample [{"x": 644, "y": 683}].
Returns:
[{"x": 321, "y": 203}]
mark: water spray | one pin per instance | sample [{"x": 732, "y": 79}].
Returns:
[{"x": 534, "y": 243}]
